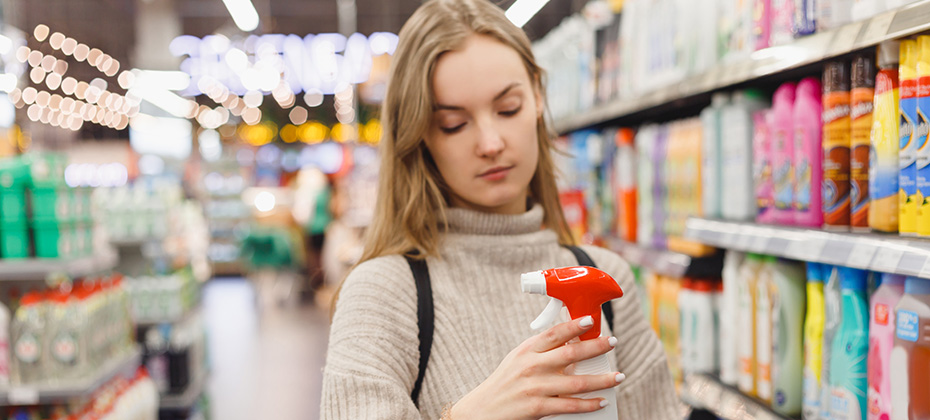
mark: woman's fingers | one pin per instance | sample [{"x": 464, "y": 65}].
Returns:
[
  {"x": 569, "y": 405},
  {"x": 560, "y": 334},
  {"x": 584, "y": 350},
  {"x": 568, "y": 385}
]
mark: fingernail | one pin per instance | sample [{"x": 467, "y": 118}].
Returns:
[
  {"x": 603, "y": 403},
  {"x": 586, "y": 322},
  {"x": 620, "y": 377},
  {"x": 612, "y": 341}
]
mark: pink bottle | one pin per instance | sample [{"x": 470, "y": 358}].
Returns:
[
  {"x": 808, "y": 154},
  {"x": 782, "y": 145},
  {"x": 881, "y": 342},
  {"x": 762, "y": 164}
]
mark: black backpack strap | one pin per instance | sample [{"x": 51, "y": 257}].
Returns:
[
  {"x": 585, "y": 260},
  {"x": 424, "y": 319}
]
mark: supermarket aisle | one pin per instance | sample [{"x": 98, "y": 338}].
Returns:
[{"x": 266, "y": 365}]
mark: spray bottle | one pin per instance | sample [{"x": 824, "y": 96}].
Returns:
[{"x": 581, "y": 290}]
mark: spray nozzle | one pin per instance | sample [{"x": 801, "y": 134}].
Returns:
[{"x": 581, "y": 289}]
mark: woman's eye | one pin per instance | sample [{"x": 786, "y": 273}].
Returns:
[
  {"x": 452, "y": 130},
  {"x": 511, "y": 112}
]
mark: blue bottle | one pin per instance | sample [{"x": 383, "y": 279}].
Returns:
[{"x": 849, "y": 358}]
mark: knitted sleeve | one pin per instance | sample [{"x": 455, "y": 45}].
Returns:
[
  {"x": 372, "y": 357},
  {"x": 648, "y": 393}
]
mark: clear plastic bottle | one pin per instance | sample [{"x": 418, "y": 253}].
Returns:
[{"x": 28, "y": 334}]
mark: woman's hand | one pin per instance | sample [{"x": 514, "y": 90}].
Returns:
[{"x": 531, "y": 382}]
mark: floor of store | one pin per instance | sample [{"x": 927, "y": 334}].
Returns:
[{"x": 264, "y": 363}]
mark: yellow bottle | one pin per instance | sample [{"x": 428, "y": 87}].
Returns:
[
  {"x": 746, "y": 324},
  {"x": 907, "y": 154},
  {"x": 883, "y": 161},
  {"x": 923, "y": 149}
]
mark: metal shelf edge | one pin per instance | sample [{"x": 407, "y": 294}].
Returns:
[{"x": 709, "y": 393}]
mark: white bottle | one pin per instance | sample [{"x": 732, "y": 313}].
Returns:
[
  {"x": 745, "y": 324},
  {"x": 737, "y": 157},
  {"x": 765, "y": 299},
  {"x": 686, "y": 325},
  {"x": 711, "y": 168},
  {"x": 704, "y": 328},
  {"x": 833, "y": 13},
  {"x": 729, "y": 362},
  {"x": 832, "y": 300},
  {"x": 645, "y": 178}
]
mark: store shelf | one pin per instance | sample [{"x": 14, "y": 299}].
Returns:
[
  {"x": 885, "y": 253},
  {"x": 707, "y": 392},
  {"x": 39, "y": 269},
  {"x": 130, "y": 242},
  {"x": 142, "y": 323},
  {"x": 58, "y": 393},
  {"x": 667, "y": 263},
  {"x": 188, "y": 398},
  {"x": 908, "y": 20}
]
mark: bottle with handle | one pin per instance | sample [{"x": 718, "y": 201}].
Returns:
[{"x": 581, "y": 290}]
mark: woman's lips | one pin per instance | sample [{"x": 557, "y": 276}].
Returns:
[{"x": 495, "y": 174}]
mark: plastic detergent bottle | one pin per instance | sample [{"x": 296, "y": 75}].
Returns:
[
  {"x": 836, "y": 146},
  {"x": 746, "y": 323},
  {"x": 923, "y": 126},
  {"x": 762, "y": 165},
  {"x": 644, "y": 142},
  {"x": 29, "y": 342},
  {"x": 883, "y": 161},
  {"x": 4, "y": 345},
  {"x": 711, "y": 165},
  {"x": 625, "y": 169},
  {"x": 729, "y": 362},
  {"x": 581, "y": 290},
  {"x": 860, "y": 113},
  {"x": 907, "y": 152},
  {"x": 881, "y": 341},
  {"x": 833, "y": 315},
  {"x": 808, "y": 154},
  {"x": 737, "y": 133},
  {"x": 686, "y": 323},
  {"x": 788, "y": 338},
  {"x": 813, "y": 341},
  {"x": 765, "y": 301},
  {"x": 910, "y": 359},
  {"x": 848, "y": 361},
  {"x": 782, "y": 137},
  {"x": 704, "y": 330}
]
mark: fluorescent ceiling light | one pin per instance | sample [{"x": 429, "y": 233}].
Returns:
[
  {"x": 166, "y": 100},
  {"x": 243, "y": 13},
  {"x": 169, "y": 80},
  {"x": 523, "y": 10}
]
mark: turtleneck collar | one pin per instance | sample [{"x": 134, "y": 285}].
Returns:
[{"x": 471, "y": 222}]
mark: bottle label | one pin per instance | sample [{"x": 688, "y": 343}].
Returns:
[
  {"x": 881, "y": 314},
  {"x": 907, "y": 323},
  {"x": 64, "y": 348},
  {"x": 27, "y": 348},
  {"x": 803, "y": 187},
  {"x": 811, "y": 394},
  {"x": 844, "y": 405}
]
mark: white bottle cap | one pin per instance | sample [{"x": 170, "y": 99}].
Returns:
[{"x": 533, "y": 282}]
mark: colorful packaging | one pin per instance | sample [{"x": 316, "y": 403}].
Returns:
[
  {"x": 762, "y": 23},
  {"x": 788, "y": 338},
  {"x": 836, "y": 145},
  {"x": 645, "y": 141},
  {"x": 625, "y": 170},
  {"x": 910, "y": 359},
  {"x": 762, "y": 165},
  {"x": 805, "y": 22},
  {"x": 729, "y": 304},
  {"x": 861, "y": 96},
  {"x": 782, "y": 22},
  {"x": 883, "y": 161},
  {"x": 907, "y": 152},
  {"x": 746, "y": 324},
  {"x": 738, "y": 193},
  {"x": 923, "y": 126},
  {"x": 848, "y": 366},
  {"x": 881, "y": 342},
  {"x": 808, "y": 154},
  {"x": 765, "y": 307},
  {"x": 782, "y": 131},
  {"x": 711, "y": 170},
  {"x": 813, "y": 340},
  {"x": 833, "y": 316}
]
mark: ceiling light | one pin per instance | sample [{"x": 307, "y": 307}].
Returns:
[
  {"x": 29, "y": 94},
  {"x": 523, "y": 10},
  {"x": 35, "y": 58},
  {"x": 170, "y": 80},
  {"x": 166, "y": 100},
  {"x": 56, "y": 40},
  {"x": 68, "y": 46},
  {"x": 22, "y": 53},
  {"x": 298, "y": 115},
  {"x": 313, "y": 97},
  {"x": 37, "y": 75},
  {"x": 48, "y": 63},
  {"x": 253, "y": 99},
  {"x": 40, "y": 32},
  {"x": 53, "y": 81},
  {"x": 81, "y": 90},
  {"x": 93, "y": 56},
  {"x": 61, "y": 67},
  {"x": 243, "y": 13},
  {"x": 81, "y": 52}
]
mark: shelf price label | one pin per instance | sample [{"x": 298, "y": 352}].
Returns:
[
  {"x": 887, "y": 259},
  {"x": 23, "y": 396},
  {"x": 845, "y": 38},
  {"x": 878, "y": 28},
  {"x": 861, "y": 255},
  {"x": 925, "y": 271}
]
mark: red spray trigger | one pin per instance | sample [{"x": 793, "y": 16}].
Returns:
[{"x": 581, "y": 289}]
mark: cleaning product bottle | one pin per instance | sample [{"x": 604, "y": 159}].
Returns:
[
  {"x": 813, "y": 341},
  {"x": 836, "y": 146},
  {"x": 833, "y": 315},
  {"x": 910, "y": 359},
  {"x": 737, "y": 131},
  {"x": 883, "y": 161},
  {"x": 686, "y": 317},
  {"x": 762, "y": 23},
  {"x": 907, "y": 153},
  {"x": 660, "y": 206},
  {"x": 746, "y": 323},
  {"x": 625, "y": 169},
  {"x": 765, "y": 299},
  {"x": 29, "y": 352},
  {"x": 848, "y": 366},
  {"x": 712, "y": 167},
  {"x": 762, "y": 165},
  {"x": 923, "y": 126},
  {"x": 645, "y": 204},
  {"x": 4, "y": 345},
  {"x": 704, "y": 314},
  {"x": 808, "y": 154},
  {"x": 860, "y": 113},
  {"x": 581, "y": 290},
  {"x": 670, "y": 327},
  {"x": 788, "y": 338},
  {"x": 782, "y": 22},
  {"x": 805, "y": 15},
  {"x": 782, "y": 132},
  {"x": 729, "y": 362},
  {"x": 881, "y": 342}
]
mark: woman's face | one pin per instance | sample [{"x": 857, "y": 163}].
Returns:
[{"x": 483, "y": 131}]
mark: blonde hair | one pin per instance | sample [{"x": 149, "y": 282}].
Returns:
[{"x": 410, "y": 212}]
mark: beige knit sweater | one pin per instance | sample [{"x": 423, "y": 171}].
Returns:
[{"x": 481, "y": 315}]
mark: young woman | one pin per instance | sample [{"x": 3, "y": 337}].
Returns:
[{"x": 467, "y": 180}]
